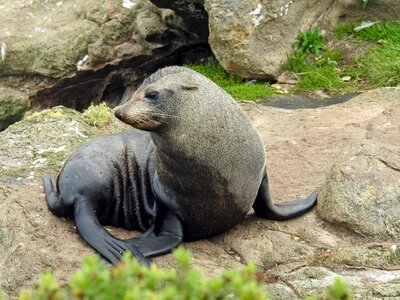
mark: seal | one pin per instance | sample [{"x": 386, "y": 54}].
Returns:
[{"x": 193, "y": 170}]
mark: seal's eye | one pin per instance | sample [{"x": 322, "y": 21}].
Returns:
[{"x": 152, "y": 95}]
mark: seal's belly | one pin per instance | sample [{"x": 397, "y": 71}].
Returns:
[{"x": 203, "y": 219}]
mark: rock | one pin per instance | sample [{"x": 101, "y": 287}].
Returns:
[
  {"x": 362, "y": 191},
  {"x": 253, "y": 38},
  {"x": 192, "y": 12},
  {"x": 13, "y": 104},
  {"x": 78, "y": 52}
]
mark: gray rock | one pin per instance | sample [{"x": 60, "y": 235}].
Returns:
[
  {"x": 13, "y": 104},
  {"x": 78, "y": 52},
  {"x": 362, "y": 191},
  {"x": 253, "y": 38},
  {"x": 193, "y": 14}
]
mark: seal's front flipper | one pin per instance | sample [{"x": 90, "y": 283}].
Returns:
[
  {"x": 264, "y": 207},
  {"x": 52, "y": 196},
  {"x": 167, "y": 234},
  {"x": 110, "y": 247}
]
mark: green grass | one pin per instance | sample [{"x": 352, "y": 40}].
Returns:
[
  {"x": 381, "y": 65},
  {"x": 378, "y": 66},
  {"x": 388, "y": 31},
  {"x": 238, "y": 88},
  {"x": 316, "y": 68},
  {"x": 320, "y": 77}
]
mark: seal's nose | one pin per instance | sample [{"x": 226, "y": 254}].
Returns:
[{"x": 118, "y": 112}]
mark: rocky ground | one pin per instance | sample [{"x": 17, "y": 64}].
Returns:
[{"x": 297, "y": 257}]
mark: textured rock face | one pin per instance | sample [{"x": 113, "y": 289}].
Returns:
[
  {"x": 13, "y": 105},
  {"x": 77, "y": 52},
  {"x": 253, "y": 38},
  {"x": 362, "y": 191},
  {"x": 192, "y": 12}
]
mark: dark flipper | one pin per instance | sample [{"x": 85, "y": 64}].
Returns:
[
  {"x": 52, "y": 197},
  {"x": 167, "y": 234},
  {"x": 110, "y": 247},
  {"x": 264, "y": 207}
]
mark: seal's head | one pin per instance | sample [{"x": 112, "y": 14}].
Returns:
[{"x": 148, "y": 109}]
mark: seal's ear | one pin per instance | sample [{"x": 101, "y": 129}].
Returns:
[
  {"x": 190, "y": 87},
  {"x": 188, "y": 84}
]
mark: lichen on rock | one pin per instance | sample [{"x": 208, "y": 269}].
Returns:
[{"x": 362, "y": 191}]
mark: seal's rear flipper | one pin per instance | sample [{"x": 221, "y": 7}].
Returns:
[
  {"x": 167, "y": 234},
  {"x": 264, "y": 207},
  {"x": 51, "y": 193},
  {"x": 89, "y": 227}
]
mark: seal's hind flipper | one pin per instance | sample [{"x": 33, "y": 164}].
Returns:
[
  {"x": 89, "y": 227},
  {"x": 52, "y": 196},
  {"x": 265, "y": 208},
  {"x": 167, "y": 234}
]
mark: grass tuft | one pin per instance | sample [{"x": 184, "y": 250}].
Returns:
[{"x": 237, "y": 87}]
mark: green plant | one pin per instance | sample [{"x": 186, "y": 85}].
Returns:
[
  {"x": 129, "y": 280},
  {"x": 365, "y": 3},
  {"x": 339, "y": 290},
  {"x": 309, "y": 42},
  {"x": 235, "y": 86},
  {"x": 98, "y": 115},
  {"x": 315, "y": 64}
]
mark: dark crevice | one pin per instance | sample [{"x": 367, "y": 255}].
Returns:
[{"x": 109, "y": 82}]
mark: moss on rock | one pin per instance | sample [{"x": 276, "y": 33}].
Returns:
[{"x": 13, "y": 105}]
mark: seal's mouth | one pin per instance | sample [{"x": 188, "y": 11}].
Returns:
[{"x": 143, "y": 120}]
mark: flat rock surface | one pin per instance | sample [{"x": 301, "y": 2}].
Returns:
[{"x": 297, "y": 257}]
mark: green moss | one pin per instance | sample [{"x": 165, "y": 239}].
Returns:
[
  {"x": 13, "y": 105},
  {"x": 98, "y": 115},
  {"x": 129, "y": 280},
  {"x": 379, "y": 257},
  {"x": 238, "y": 88}
]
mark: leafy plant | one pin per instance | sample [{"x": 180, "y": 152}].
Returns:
[
  {"x": 309, "y": 42},
  {"x": 129, "y": 280},
  {"x": 365, "y": 3},
  {"x": 315, "y": 65},
  {"x": 237, "y": 87},
  {"x": 98, "y": 115},
  {"x": 339, "y": 290}
]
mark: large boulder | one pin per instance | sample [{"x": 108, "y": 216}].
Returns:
[
  {"x": 253, "y": 38},
  {"x": 362, "y": 191},
  {"x": 77, "y": 52}
]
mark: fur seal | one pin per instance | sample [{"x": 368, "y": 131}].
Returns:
[{"x": 194, "y": 170}]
